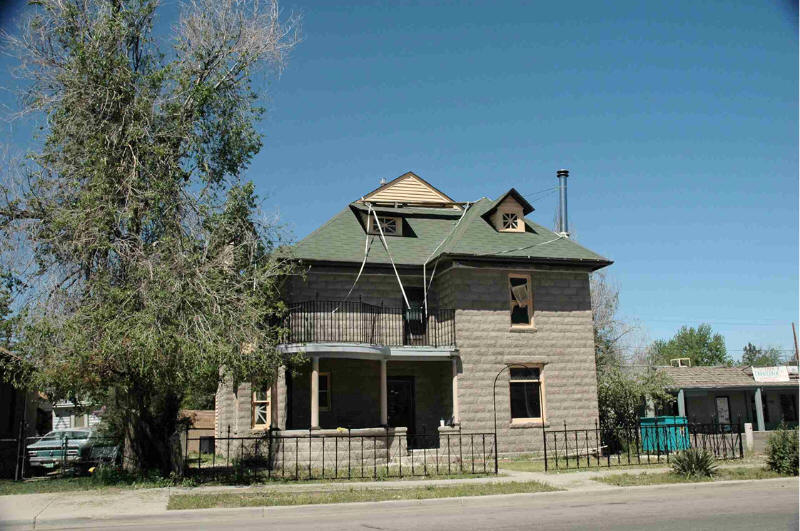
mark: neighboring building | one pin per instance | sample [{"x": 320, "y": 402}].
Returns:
[
  {"x": 201, "y": 430},
  {"x": 501, "y": 291},
  {"x": 67, "y": 415},
  {"x": 22, "y": 408},
  {"x": 732, "y": 394}
]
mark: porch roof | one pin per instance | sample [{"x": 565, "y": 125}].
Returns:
[{"x": 717, "y": 378}]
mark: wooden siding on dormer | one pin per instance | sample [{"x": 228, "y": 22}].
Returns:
[{"x": 408, "y": 189}]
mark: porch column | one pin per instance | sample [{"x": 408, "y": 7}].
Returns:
[
  {"x": 681, "y": 403},
  {"x": 384, "y": 397},
  {"x": 456, "y": 416},
  {"x": 274, "y": 417},
  {"x": 759, "y": 410},
  {"x": 315, "y": 393}
]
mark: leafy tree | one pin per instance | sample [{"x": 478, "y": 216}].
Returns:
[
  {"x": 760, "y": 356},
  {"x": 700, "y": 345},
  {"x": 608, "y": 329},
  {"x": 150, "y": 267},
  {"x": 622, "y": 394}
]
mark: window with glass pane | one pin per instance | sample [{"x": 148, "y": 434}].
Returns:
[
  {"x": 324, "y": 391},
  {"x": 260, "y": 405},
  {"x": 525, "y": 389},
  {"x": 521, "y": 299}
]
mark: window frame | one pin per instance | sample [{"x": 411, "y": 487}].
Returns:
[
  {"x": 513, "y": 303},
  {"x": 327, "y": 377},
  {"x": 254, "y": 403},
  {"x": 542, "y": 418},
  {"x": 373, "y": 229}
]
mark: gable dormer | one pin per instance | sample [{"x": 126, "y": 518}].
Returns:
[
  {"x": 507, "y": 213},
  {"x": 409, "y": 188}
]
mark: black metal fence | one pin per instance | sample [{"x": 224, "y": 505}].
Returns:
[
  {"x": 642, "y": 443},
  {"x": 358, "y": 322},
  {"x": 346, "y": 454}
]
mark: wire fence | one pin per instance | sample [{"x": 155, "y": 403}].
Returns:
[
  {"x": 642, "y": 443},
  {"x": 344, "y": 454}
]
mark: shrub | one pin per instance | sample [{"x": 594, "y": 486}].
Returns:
[
  {"x": 782, "y": 453},
  {"x": 694, "y": 462}
]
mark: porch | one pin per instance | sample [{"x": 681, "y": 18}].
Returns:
[
  {"x": 766, "y": 407},
  {"x": 320, "y": 321},
  {"x": 414, "y": 391}
]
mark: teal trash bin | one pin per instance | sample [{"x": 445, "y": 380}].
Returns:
[{"x": 664, "y": 434}]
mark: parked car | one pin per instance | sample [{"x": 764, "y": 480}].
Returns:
[{"x": 84, "y": 447}]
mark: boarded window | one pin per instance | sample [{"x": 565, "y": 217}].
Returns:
[
  {"x": 526, "y": 393},
  {"x": 521, "y": 299}
]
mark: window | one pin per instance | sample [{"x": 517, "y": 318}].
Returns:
[
  {"x": 391, "y": 226},
  {"x": 324, "y": 391},
  {"x": 521, "y": 299},
  {"x": 79, "y": 422},
  {"x": 525, "y": 387},
  {"x": 510, "y": 221},
  {"x": 260, "y": 409},
  {"x": 789, "y": 408}
]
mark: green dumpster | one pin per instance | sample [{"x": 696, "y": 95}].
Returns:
[{"x": 664, "y": 434}]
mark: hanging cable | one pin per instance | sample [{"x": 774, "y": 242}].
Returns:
[
  {"x": 367, "y": 246},
  {"x": 426, "y": 286},
  {"x": 386, "y": 246}
]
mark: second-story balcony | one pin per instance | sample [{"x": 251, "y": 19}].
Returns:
[{"x": 357, "y": 322}]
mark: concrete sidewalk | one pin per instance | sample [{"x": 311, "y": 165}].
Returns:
[{"x": 112, "y": 506}]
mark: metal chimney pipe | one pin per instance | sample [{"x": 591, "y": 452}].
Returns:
[{"x": 563, "y": 224}]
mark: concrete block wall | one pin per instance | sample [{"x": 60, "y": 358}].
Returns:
[{"x": 562, "y": 341}]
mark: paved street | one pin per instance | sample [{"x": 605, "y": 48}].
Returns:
[{"x": 762, "y": 505}]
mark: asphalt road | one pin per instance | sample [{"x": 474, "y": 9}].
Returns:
[{"x": 761, "y": 505}]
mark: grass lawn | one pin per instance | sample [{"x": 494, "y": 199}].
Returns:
[
  {"x": 68, "y": 484},
  {"x": 272, "y": 498},
  {"x": 529, "y": 464},
  {"x": 47, "y": 485},
  {"x": 631, "y": 480}
]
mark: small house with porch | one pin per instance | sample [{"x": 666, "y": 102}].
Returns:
[{"x": 762, "y": 396}]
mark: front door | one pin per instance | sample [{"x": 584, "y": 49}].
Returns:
[
  {"x": 400, "y": 402},
  {"x": 723, "y": 410}
]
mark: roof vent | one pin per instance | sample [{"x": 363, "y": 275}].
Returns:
[{"x": 383, "y": 181}]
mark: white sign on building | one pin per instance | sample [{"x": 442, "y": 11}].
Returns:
[{"x": 771, "y": 374}]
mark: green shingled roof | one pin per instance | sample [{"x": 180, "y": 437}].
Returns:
[{"x": 342, "y": 238}]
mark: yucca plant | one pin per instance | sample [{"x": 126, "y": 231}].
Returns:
[{"x": 694, "y": 462}]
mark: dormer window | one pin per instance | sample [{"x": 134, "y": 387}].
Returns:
[
  {"x": 391, "y": 226},
  {"x": 510, "y": 221}
]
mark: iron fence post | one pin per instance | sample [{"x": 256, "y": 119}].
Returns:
[
  {"x": 544, "y": 446},
  {"x": 21, "y": 452}
]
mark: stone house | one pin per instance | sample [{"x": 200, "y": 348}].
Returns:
[{"x": 418, "y": 312}]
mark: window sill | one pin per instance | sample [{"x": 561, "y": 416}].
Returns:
[
  {"x": 521, "y": 424},
  {"x": 522, "y": 329}
]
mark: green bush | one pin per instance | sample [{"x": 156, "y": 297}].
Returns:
[
  {"x": 782, "y": 453},
  {"x": 694, "y": 462}
]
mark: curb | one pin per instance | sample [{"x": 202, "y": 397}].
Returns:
[{"x": 216, "y": 515}]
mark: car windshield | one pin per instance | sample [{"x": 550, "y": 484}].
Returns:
[
  {"x": 53, "y": 435},
  {"x": 78, "y": 434}
]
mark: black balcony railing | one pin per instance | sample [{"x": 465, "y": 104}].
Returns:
[{"x": 358, "y": 322}]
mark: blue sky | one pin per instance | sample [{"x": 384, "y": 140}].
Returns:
[{"x": 677, "y": 120}]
